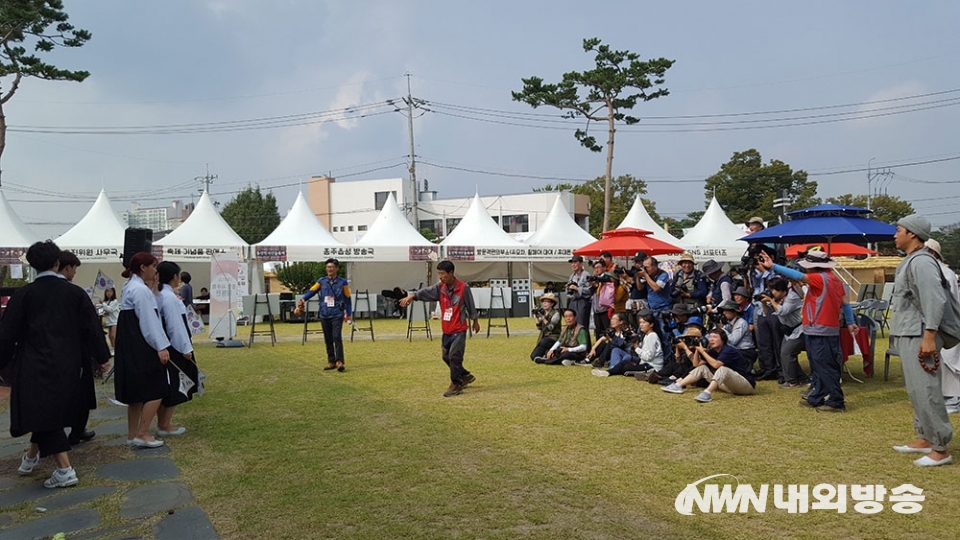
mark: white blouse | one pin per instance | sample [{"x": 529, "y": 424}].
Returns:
[
  {"x": 651, "y": 351},
  {"x": 138, "y": 297},
  {"x": 172, "y": 311}
]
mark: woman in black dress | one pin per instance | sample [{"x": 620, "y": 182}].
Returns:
[
  {"x": 140, "y": 375},
  {"x": 173, "y": 313}
]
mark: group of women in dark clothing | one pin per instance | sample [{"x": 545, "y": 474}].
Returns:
[{"x": 50, "y": 331}]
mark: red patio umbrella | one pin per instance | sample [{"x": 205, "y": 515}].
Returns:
[
  {"x": 626, "y": 242},
  {"x": 838, "y": 249}
]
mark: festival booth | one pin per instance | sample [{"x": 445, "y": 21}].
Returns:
[
  {"x": 390, "y": 254},
  {"x": 714, "y": 237},
  {"x": 482, "y": 251},
  {"x": 550, "y": 248},
  {"x": 216, "y": 257},
  {"x": 300, "y": 237},
  {"x": 97, "y": 240},
  {"x": 15, "y": 238}
]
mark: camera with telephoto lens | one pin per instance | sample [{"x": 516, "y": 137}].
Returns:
[
  {"x": 759, "y": 297},
  {"x": 602, "y": 278},
  {"x": 691, "y": 341},
  {"x": 701, "y": 310}
]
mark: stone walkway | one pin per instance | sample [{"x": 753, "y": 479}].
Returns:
[{"x": 123, "y": 493}]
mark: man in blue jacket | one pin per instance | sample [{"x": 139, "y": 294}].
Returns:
[{"x": 335, "y": 308}]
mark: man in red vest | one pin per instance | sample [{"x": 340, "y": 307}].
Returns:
[
  {"x": 823, "y": 306},
  {"x": 456, "y": 308}
]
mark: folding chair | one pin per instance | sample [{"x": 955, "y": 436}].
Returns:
[{"x": 891, "y": 351}]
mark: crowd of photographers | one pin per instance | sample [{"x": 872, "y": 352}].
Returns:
[{"x": 698, "y": 327}]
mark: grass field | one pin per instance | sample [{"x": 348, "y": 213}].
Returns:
[{"x": 279, "y": 448}]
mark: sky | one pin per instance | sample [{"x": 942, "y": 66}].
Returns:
[{"x": 825, "y": 86}]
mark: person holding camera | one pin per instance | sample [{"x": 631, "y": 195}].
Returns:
[
  {"x": 637, "y": 298},
  {"x": 572, "y": 346},
  {"x": 825, "y": 302},
  {"x": 579, "y": 292},
  {"x": 689, "y": 284},
  {"x": 786, "y": 303},
  {"x": 678, "y": 365},
  {"x": 548, "y": 322},
  {"x": 722, "y": 364},
  {"x": 738, "y": 331},
  {"x": 613, "y": 343},
  {"x": 643, "y": 351},
  {"x": 335, "y": 309},
  {"x": 604, "y": 288}
]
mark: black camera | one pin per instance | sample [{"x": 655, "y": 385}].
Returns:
[
  {"x": 395, "y": 294},
  {"x": 571, "y": 283},
  {"x": 759, "y": 297},
  {"x": 602, "y": 278},
  {"x": 701, "y": 310},
  {"x": 691, "y": 341},
  {"x": 539, "y": 312}
]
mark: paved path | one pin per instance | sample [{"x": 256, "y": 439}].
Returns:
[{"x": 123, "y": 493}]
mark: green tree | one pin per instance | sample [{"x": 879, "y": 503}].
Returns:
[
  {"x": 615, "y": 85},
  {"x": 676, "y": 226},
  {"x": 429, "y": 235},
  {"x": 747, "y": 187},
  {"x": 623, "y": 191},
  {"x": 300, "y": 276},
  {"x": 949, "y": 245},
  {"x": 28, "y": 30},
  {"x": 252, "y": 215},
  {"x": 886, "y": 208}
]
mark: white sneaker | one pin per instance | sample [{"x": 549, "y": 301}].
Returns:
[
  {"x": 61, "y": 479},
  {"x": 953, "y": 410},
  {"x": 673, "y": 388},
  {"x": 27, "y": 465},
  {"x": 568, "y": 363},
  {"x": 599, "y": 373},
  {"x": 140, "y": 443},
  {"x": 179, "y": 431}
]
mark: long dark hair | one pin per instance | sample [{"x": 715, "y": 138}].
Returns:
[{"x": 113, "y": 294}]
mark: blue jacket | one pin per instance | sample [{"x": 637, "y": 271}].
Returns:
[{"x": 334, "y": 291}]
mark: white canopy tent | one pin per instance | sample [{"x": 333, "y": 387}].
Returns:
[
  {"x": 299, "y": 237},
  {"x": 638, "y": 218},
  {"x": 391, "y": 253},
  {"x": 479, "y": 247},
  {"x": 15, "y": 236},
  {"x": 714, "y": 237},
  {"x": 552, "y": 245},
  {"x": 97, "y": 240}
]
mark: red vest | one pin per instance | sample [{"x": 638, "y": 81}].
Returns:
[
  {"x": 822, "y": 305},
  {"x": 456, "y": 321}
]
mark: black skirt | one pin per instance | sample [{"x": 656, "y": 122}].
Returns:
[{"x": 138, "y": 375}]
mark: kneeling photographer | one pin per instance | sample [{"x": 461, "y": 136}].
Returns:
[
  {"x": 548, "y": 322},
  {"x": 784, "y": 301},
  {"x": 738, "y": 331},
  {"x": 613, "y": 341},
  {"x": 644, "y": 351},
  {"x": 678, "y": 365},
  {"x": 572, "y": 346}
]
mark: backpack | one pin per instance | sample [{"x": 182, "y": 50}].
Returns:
[{"x": 949, "y": 329}]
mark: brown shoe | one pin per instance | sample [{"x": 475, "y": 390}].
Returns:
[
  {"x": 831, "y": 408},
  {"x": 642, "y": 376},
  {"x": 339, "y": 366},
  {"x": 454, "y": 390},
  {"x": 467, "y": 379},
  {"x": 805, "y": 403},
  {"x": 330, "y": 366},
  {"x": 653, "y": 378}
]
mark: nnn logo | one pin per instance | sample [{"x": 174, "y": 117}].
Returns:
[{"x": 716, "y": 498}]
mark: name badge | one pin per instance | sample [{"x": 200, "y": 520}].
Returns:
[
  {"x": 329, "y": 301},
  {"x": 448, "y": 314}
]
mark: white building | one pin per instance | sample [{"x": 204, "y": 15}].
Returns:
[
  {"x": 348, "y": 208},
  {"x": 164, "y": 218}
]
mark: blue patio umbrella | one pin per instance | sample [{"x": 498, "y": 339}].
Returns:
[{"x": 826, "y": 223}]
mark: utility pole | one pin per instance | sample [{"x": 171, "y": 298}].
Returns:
[
  {"x": 780, "y": 205},
  {"x": 874, "y": 174},
  {"x": 206, "y": 180},
  {"x": 414, "y": 215}
]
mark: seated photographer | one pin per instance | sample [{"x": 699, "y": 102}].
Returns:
[
  {"x": 747, "y": 309},
  {"x": 786, "y": 303},
  {"x": 645, "y": 355},
  {"x": 675, "y": 320},
  {"x": 738, "y": 332},
  {"x": 572, "y": 346},
  {"x": 722, "y": 364},
  {"x": 678, "y": 365},
  {"x": 548, "y": 322},
  {"x": 613, "y": 338}
]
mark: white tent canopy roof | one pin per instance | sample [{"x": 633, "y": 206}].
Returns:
[
  {"x": 300, "y": 228},
  {"x": 715, "y": 237},
  {"x": 99, "y": 228},
  {"x": 638, "y": 218},
  {"x": 391, "y": 228},
  {"x": 13, "y": 231},
  {"x": 559, "y": 230},
  {"x": 204, "y": 228},
  {"x": 477, "y": 228}
]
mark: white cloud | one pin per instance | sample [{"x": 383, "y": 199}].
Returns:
[{"x": 348, "y": 96}]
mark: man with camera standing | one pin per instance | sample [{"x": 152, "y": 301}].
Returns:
[
  {"x": 721, "y": 286},
  {"x": 637, "y": 300},
  {"x": 689, "y": 284},
  {"x": 784, "y": 302},
  {"x": 822, "y": 307},
  {"x": 578, "y": 291},
  {"x": 548, "y": 322},
  {"x": 659, "y": 296}
]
